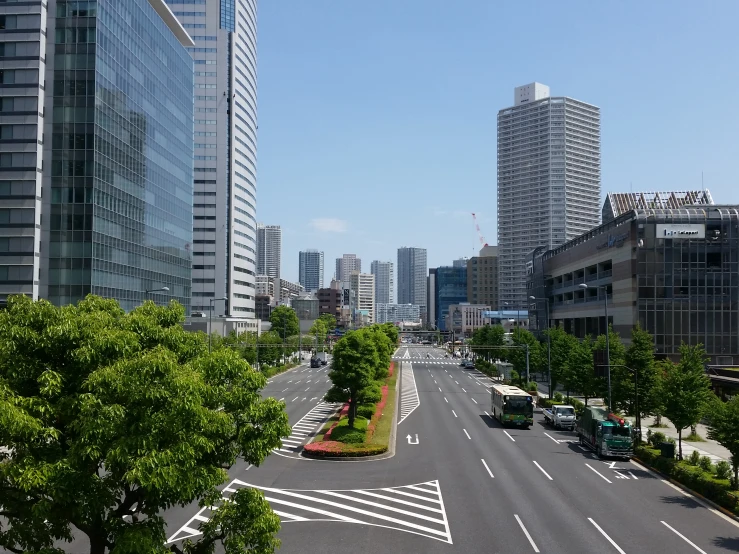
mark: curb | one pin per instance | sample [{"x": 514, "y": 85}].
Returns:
[
  {"x": 688, "y": 491},
  {"x": 375, "y": 457}
]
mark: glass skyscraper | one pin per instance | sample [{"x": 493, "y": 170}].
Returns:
[
  {"x": 118, "y": 213},
  {"x": 451, "y": 288}
]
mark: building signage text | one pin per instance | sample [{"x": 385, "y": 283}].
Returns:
[
  {"x": 614, "y": 241},
  {"x": 681, "y": 231}
]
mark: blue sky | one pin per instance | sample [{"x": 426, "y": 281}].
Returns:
[{"x": 377, "y": 118}]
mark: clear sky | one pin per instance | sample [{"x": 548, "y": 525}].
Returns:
[{"x": 377, "y": 119}]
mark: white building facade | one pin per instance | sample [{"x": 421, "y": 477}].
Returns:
[
  {"x": 363, "y": 287},
  {"x": 548, "y": 180},
  {"x": 224, "y": 219},
  {"x": 269, "y": 250},
  {"x": 384, "y": 281},
  {"x": 397, "y": 313},
  {"x": 346, "y": 265}
]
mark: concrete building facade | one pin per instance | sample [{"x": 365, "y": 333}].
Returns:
[
  {"x": 548, "y": 179},
  {"x": 330, "y": 302},
  {"x": 310, "y": 269},
  {"x": 482, "y": 277},
  {"x": 346, "y": 265},
  {"x": 384, "y": 281},
  {"x": 397, "y": 313},
  {"x": 363, "y": 287},
  {"x": 463, "y": 319},
  {"x": 269, "y": 250}
]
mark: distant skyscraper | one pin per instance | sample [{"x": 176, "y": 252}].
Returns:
[
  {"x": 345, "y": 265},
  {"x": 451, "y": 288},
  {"x": 412, "y": 267},
  {"x": 269, "y": 250},
  {"x": 548, "y": 179},
  {"x": 362, "y": 285},
  {"x": 310, "y": 269},
  {"x": 461, "y": 262},
  {"x": 225, "y": 197},
  {"x": 384, "y": 281},
  {"x": 117, "y": 175}
]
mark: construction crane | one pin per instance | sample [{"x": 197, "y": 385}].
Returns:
[{"x": 479, "y": 233}]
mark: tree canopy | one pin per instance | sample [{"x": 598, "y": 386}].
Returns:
[
  {"x": 108, "y": 415},
  {"x": 329, "y": 321},
  {"x": 562, "y": 345},
  {"x": 640, "y": 358},
  {"x": 486, "y": 340},
  {"x": 724, "y": 429},
  {"x": 284, "y": 322}
]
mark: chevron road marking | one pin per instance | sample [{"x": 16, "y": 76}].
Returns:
[
  {"x": 409, "y": 399},
  {"x": 305, "y": 427},
  {"x": 417, "y": 509}
]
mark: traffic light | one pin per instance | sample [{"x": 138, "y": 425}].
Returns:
[{"x": 600, "y": 363}]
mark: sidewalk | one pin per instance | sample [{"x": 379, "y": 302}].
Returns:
[{"x": 707, "y": 447}]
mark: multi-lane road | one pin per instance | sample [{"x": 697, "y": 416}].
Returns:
[{"x": 459, "y": 482}]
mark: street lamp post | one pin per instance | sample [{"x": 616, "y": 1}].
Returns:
[
  {"x": 210, "y": 322},
  {"x": 549, "y": 342},
  {"x": 163, "y": 289},
  {"x": 608, "y": 343}
]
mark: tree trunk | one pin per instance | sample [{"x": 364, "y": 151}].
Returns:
[
  {"x": 679, "y": 444},
  {"x": 657, "y": 420},
  {"x": 693, "y": 429},
  {"x": 97, "y": 544},
  {"x": 352, "y": 410},
  {"x": 735, "y": 484},
  {"x": 586, "y": 400}
]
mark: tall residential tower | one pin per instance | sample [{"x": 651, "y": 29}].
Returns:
[
  {"x": 310, "y": 270},
  {"x": 224, "y": 221},
  {"x": 269, "y": 250},
  {"x": 384, "y": 281},
  {"x": 346, "y": 265},
  {"x": 548, "y": 180},
  {"x": 412, "y": 267}
]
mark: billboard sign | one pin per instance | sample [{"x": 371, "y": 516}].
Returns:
[{"x": 681, "y": 231}]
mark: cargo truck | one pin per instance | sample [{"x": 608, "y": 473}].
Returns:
[
  {"x": 322, "y": 357},
  {"x": 605, "y": 433}
]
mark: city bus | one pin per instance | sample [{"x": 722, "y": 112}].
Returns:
[{"x": 512, "y": 406}]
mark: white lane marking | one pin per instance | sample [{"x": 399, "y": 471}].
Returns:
[
  {"x": 525, "y": 532},
  {"x": 486, "y": 467},
  {"x": 683, "y": 537},
  {"x": 551, "y": 437},
  {"x": 445, "y": 400},
  {"x": 542, "y": 470},
  {"x": 457, "y": 382},
  {"x": 294, "y": 399},
  {"x": 281, "y": 399},
  {"x": 466, "y": 433},
  {"x": 509, "y": 435},
  {"x": 306, "y": 390},
  {"x": 602, "y": 532},
  {"x": 599, "y": 474},
  {"x": 455, "y": 413},
  {"x": 486, "y": 413},
  {"x": 464, "y": 391},
  {"x": 475, "y": 401},
  {"x": 409, "y": 399},
  {"x": 633, "y": 476},
  {"x": 283, "y": 390}
]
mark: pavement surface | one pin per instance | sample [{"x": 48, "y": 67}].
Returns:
[{"x": 459, "y": 482}]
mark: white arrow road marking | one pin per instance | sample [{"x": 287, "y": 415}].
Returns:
[{"x": 410, "y": 441}]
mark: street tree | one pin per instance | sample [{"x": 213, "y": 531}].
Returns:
[
  {"x": 391, "y": 331},
  {"x": 686, "y": 389},
  {"x": 385, "y": 348},
  {"x": 562, "y": 345},
  {"x": 517, "y": 356},
  {"x": 284, "y": 322},
  {"x": 580, "y": 370},
  {"x": 640, "y": 358},
  {"x": 353, "y": 370},
  {"x": 318, "y": 331},
  {"x": 329, "y": 321},
  {"x": 724, "y": 429},
  {"x": 270, "y": 349},
  {"x": 112, "y": 418},
  {"x": 620, "y": 376},
  {"x": 486, "y": 341}
]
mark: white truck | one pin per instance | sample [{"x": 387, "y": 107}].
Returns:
[
  {"x": 323, "y": 357},
  {"x": 560, "y": 416}
]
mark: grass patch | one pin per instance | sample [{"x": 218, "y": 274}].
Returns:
[
  {"x": 343, "y": 433},
  {"x": 658, "y": 426},
  {"x": 381, "y": 435},
  {"x": 694, "y": 437},
  {"x": 271, "y": 371},
  {"x": 326, "y": 426}
]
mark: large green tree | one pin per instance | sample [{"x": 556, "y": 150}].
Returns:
[
  {"x": 391, "y": 331},
  {"x": 517, "y": 356},
  {"x": 620, "y": 376},
  {"x": 353, "y": 369},
  {"x": 284, "y": 322},
  {"x": 109, "y": 415},
  {"x": 640, "y": 358},
  {"x": 686, "y": 389},
  {"x": 486, "y": 342},
  {"x": 270, "y": 349},
  {"x": 329, "y": 321},
  {"x": 724, "y": 429},
  {"x": 580, "y": 370},
  {"x": 562, "y": 345}
]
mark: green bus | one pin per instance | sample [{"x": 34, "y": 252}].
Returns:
[{"x": 512, "y": 406}]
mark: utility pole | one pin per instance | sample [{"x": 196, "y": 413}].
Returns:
[
  {"x": 608, "y": 349},
  {"x": 527, "y": 364}
]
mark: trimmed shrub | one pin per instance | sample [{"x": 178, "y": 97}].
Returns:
[
  {"x": 695, "y": 458},
  {"x": 559, "y": 397},
  {"x": 657, "y": 438},
  {"x": 723, "y": 470},
  {"x": 366, "y": 411},
  {"x": 532, "y": 386},
  {"x": 578, "y": 405},
  {"x": 706, "y": 464}
]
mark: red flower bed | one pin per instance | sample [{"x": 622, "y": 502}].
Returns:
[
  {"x": 391, "y": 368},
  {"x": 342, "y": 413},
  {"x": 335, "y": 449}
]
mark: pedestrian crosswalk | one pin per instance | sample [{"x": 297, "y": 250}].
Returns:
[
  {"x": 304, "y": 429},
  {"x": 432, "y": 361},
  {"x": 417, "y": 508},
  {"x": 409, "y": 399}
]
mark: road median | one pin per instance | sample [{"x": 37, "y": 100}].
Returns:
[{"x": 369, "y": 439}]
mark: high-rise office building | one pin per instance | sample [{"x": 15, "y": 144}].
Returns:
[
  {"x": 224, "y": 222},
  {"x": 451, "y": 288},
  {"x": 269, "y": 250},
  {"x": 412, "y": 267},
  {"x": 346, "y": 265},
  {"x": 482, "y": 278},
  {"x": 310, "y": 270},
  {"x": 23, "y": 43},
  {"x": 363, "y": 287},
  {"x": 548, "y": 179},
  {"x": 118, "y": 155},
  {"x": 384, "y": 281}
]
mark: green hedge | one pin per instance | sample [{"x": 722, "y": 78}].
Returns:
[
  {"x": 693, "y": 477},
  {"x": 271, "y": 371}
]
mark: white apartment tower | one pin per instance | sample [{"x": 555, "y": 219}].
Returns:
[
  {"x": 347, "y": 264},
  {"x": 224, "y": 205},
  {"x": 269, "y": 250},
  {"x": 412, "y": 267},
  {"x": 362, "y": 286},
  {"x": 384, "y": 281},
  {"x": 548, "y": 180},
  {"x": 310, "y": 270}
]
